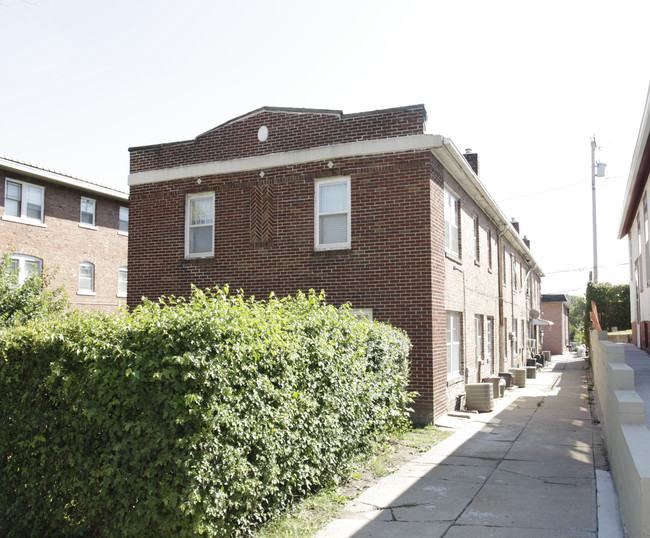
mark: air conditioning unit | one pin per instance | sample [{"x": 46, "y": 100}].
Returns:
[
  {"x": 519, "y": 376},
  {"x": 479, "y": 397}
]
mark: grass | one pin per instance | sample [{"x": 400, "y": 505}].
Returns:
[{"x": 307, "y": 517}]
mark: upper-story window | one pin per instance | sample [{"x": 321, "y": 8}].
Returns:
[
  {"x": 489, "y": 248},
  {"x": 124, "y": 220},
  {"x": 25, "y": 266},
  {"x": 477, "y": 244},
  {"x": 452, "y": 223},
  {"x": 199, "y": 225},
  {"x": 24, "y": 201},
  {"x": 87, "y": 211},
  {"x": 332, "y": 214},
  {"x": 86, "y": 279}
]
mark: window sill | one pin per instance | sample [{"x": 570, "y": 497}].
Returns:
[
  {"x": 453, "y": 258},
  {"x": 88, "y": 226},
  {"x": 199, "y": 257},
  {"x": 19, "y": 220},
  {"x": 330, "y": 248},
  {"x": 123, "y": 233},
  {"x": 121, "y": 295},
  {"x": 454, "y": 379},
  {"x": 86, "y": 292}
]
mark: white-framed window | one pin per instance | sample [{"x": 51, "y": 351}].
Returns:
[
  {"x": 453, "y": 345},
  {"x": 86, "y": 279},
  {"x": 122, "y": 280},
  {"x": 87, "y": 212},
  {"x": 477, "y": 244},
  {"x": 199, "y": 225},
  {"x": 124, "y": 220},
  {"x": 332, "y": 220},
  {"x": 478, "y": 337},
  {"x": 24, "y": 202},
  {"x": 362, "y": 313},
  {"x": 489, "y": 338},
  {"x": 25, "y": 266},
  {"x": 452, "y": 223},
  {"x": 489, "y": 248}
]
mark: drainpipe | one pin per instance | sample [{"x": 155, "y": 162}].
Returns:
[{"x": 500, "y": 270}]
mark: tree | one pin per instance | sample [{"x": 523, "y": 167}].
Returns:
[
  {"x": 33, "y": 299},
  {"x": 576, "y": 317},
  {"x": 613, "y": 304}
]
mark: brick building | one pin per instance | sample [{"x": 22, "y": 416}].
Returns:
[
  {"x": 364, "y": 206},
  {"x": 75, "y": 228},
  {"x": 555, "y": 308}
]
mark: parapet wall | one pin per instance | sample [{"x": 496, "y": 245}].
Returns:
[{"x": 624, "y": 428}]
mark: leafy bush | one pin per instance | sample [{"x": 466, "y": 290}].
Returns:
[
  {"x": 205, "y": 416},
  {"x": 31, "y": 300}
]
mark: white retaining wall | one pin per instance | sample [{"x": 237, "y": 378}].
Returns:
[{"x": 625, "y": 432}]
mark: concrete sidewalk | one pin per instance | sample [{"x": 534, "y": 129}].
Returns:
[{"x": 526, "y": 469}]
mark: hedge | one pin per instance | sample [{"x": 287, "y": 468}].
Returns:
[{"x": 186, "y": 417}]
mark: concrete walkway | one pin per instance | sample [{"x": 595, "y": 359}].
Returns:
[{"x": 526, "y": 469}]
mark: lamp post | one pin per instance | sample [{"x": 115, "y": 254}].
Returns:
[{"x": 597, "y": 170}]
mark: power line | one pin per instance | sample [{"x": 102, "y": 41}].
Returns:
[{"x": 585, "y": 268}]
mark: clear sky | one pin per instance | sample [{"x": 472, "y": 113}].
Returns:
[{"x": 524, "y": 84}]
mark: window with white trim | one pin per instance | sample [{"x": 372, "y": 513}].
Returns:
[
  {"x": 478, "y": 337},
  {"x": 24, "y": 201},
  {"x": 452, "y": 223},
  {"x": 87, "y": 212},
  {"x": 332, "y": 214},
  {"x": 122, "y": 280},
  {"x": 199, "y": 225},
  {"x": 86, "y": 279},
  {"x": 25, "y": 267},
  {"x": 477, "y": 244},
  {"x": 489, "y": 249},
  {"x": 489, "y": 338},
  {"x": 124, "y": 220},
  {"x": 453, "y": 345}
]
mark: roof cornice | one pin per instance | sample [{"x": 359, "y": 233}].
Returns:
[{"x": 54, "y": 177}]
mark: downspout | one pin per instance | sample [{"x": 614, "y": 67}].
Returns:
[{"x": 500, "y": 270}]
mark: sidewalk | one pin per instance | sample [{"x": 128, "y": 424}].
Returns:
[{"x": 526, "y": 469}]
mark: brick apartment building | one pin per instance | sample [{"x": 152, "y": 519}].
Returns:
[
  {"x": 555, "y": 308},
  {"x": 364, "y": 206},
  {"x": 75, "y": 228}
]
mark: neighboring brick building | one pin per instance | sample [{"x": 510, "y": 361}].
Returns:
[
  {"x": 364, "y": 206},
  {"x": 555, "y": 308},
  {"x": 75, "y": 228}
]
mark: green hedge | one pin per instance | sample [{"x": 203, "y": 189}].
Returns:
[{"x": 206, "y": 416}]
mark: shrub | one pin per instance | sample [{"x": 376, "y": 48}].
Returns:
[{"x": 199, "y": 416}]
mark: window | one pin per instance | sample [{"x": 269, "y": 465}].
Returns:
[
  {"x": 124, "y": 220},
  {"x": 87, "y": 212},
  {"x": 639, "y": 251},
  {"x": 489, "y": 248},
  {"x": 332, "y": 219},
  {"x": 477, "y": 245},
  {"x": 453, "y": 345},
  {"x": 452, "y": 237},
  {"x": 489, "y": 339},
  {"x": 86, "y": 279},
  {"x": 24, "y": 201},
  {"x": 513, "y": 340},
  {"x": 362, "y": 313},
  {"x": 122, "y": 279},
  {"x": 647, "y": 239},
  {"x": 25, "y": 267},
  {"x": 199, "y": 225},
  {"x": 478, "y": 337}
]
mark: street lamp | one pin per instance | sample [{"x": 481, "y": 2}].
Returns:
[{"x": 597, "y": 170}]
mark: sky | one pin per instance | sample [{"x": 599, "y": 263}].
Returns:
[{"x": 526, "y": 85}]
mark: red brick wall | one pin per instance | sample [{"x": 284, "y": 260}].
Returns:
[
  {"x": 287, "y": 131},
  {"x": 555, "y": 336},
  {"x": 62, "y": 244},
  {"x": 390, "y": 267}
]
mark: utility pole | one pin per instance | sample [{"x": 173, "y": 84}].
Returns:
[
  {"x": 597, "y": 169},
  {"x": 593, "y": 206}
]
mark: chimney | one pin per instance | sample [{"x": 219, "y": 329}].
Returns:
[
  {"x": 527, "y": 242},
  {"x": 472, "y": 160},
  {"x": 515, "y": 225}
]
